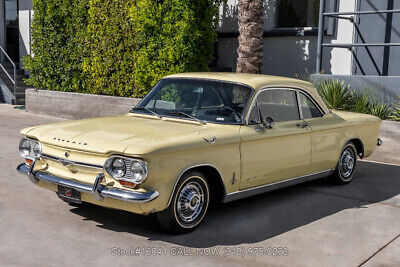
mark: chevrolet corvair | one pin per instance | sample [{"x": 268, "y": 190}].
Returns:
[{"x": 197, "y": 138}]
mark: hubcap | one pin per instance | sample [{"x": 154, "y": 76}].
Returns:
[
  {"x": 190, "y": 202},
  {"x": 347, "y": 162}
]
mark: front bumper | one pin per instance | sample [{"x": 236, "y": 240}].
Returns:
[{"x": 97, "y": 190}]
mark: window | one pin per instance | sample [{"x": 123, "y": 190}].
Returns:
[
  {"x": 207, "y": 100},
  {"x": 297, "y": 13},
  {"x": 308, "y": 108},
  {"x": 279, "y": 104}
]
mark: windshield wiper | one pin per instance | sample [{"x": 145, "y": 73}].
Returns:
[
  {"x": 148, "y": 110},
  {"x": 187, "y": 115}
]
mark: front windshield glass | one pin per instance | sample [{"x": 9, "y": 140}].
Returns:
[{"x": 196, "y": 99}]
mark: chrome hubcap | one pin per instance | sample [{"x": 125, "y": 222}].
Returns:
[
  {"x": 190, "y": 202},
  {"x": 347, "y": 162}
]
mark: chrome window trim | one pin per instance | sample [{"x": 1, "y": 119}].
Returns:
[
  {"x": 313, "y": 101},
  {"x": 299, "y": 105},
  {"x": 281, "y": 87}
]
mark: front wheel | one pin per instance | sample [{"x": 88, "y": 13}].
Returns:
[
  {"x": 189, "y": 204},
  {"x": 346, "y": 166}
]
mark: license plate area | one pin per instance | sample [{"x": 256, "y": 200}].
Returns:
[{"x": 69, "y": 194}]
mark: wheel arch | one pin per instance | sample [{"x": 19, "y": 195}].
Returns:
[
  {"x": 358, "y": 144},
  {"x": 214, "y": 178}
]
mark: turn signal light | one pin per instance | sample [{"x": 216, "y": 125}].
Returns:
[
  {"x": 28, "y": 162},
  {"x": 127, "y": 184}
]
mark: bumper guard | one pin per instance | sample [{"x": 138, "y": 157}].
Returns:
[{"x": 97, "y": 190}]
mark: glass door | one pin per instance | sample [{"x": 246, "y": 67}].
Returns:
[{"x": 11, "y": 29}]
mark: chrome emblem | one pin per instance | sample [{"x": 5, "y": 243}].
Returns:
[{"x": 68, "y": 192}]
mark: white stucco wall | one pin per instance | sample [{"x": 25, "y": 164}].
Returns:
[
  {"x": 25, "y": 14},
  {"x": 341, "y": 59},
  {"x": 288, "y": 55}
]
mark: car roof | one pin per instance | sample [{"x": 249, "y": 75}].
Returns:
[{"x": 256, "y": 81}]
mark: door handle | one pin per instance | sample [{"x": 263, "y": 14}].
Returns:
[{"x": 302, "y": 124}]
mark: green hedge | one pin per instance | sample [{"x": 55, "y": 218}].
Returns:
[
  {"x": 118, "y": 47},
  {"x": 58, "y": 34}
]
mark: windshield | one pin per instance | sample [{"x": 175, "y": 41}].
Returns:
[{"x": 196, "y": 99}]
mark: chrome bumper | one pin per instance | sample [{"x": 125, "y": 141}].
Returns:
[{"x": 97, "y": 190}]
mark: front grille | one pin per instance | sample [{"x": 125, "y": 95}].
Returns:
[{"x": 67, "y": 162}]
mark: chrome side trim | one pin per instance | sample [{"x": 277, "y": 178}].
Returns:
[
  {"x": 274, "y": 186},
  {"x": 67, "y": 162},
  {"x": 99, "y": 191},
  {"x": 192, "y": 167}
]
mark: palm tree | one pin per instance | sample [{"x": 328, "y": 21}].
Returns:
[{"x": 250, "y": 50}]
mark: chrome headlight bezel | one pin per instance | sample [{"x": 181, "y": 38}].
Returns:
[
  {"x": 31, "y": 154},
  {"x": 127, "y": 176}
]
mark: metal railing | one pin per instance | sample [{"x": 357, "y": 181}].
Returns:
[
  {"x": 14, "y": 78},
  {"x": 350, "y": 16}
]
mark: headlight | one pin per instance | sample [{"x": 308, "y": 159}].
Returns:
[
  {"x": 126, "y": 169},
  {"x": 30, "y": 148},
  {"x": 118, "y": 168}
]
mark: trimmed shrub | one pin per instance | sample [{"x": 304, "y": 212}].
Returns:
[
  {"x": 172, "y": 36},
  {"x": 109, "y": 56},
  {"x": 58, "y": 30},
  {"x": 118, "y": 47}
]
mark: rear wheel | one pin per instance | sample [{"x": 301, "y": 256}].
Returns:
[
  {"x": 346, "y": 166},
  {"x": 189, "y": 204}
]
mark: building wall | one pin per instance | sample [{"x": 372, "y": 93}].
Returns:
[
  {"x": 379, "y": 28},
  {"x": 25, "y": 14},
  {"x": 288, "y": 55}
]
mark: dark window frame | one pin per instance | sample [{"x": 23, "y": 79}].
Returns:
[{"x": 330, "y": 24}]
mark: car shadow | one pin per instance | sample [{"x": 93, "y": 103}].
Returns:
[{"x": 262, "y": 217}]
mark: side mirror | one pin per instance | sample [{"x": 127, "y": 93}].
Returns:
[{"x": 268, "y": 123}]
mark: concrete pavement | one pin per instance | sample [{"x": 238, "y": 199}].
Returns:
[{"x": 317, "y": 224}]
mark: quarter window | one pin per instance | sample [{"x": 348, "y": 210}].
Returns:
[
  {"x": 279, "y": 104},
  {"x": 308, "y": 108}
]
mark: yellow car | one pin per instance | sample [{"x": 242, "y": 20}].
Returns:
[{"x": 197, "y": 138}]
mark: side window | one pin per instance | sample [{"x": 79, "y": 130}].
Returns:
[
  {"x": 308, "y": 108},
  {"x": 279, "y": 104}
]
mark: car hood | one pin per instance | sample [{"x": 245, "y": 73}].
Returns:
[{"x": 129, "y": 134}]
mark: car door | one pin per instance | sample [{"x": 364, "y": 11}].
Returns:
[
  {"x": 326, "y": 133},
  {"x": 280, "y": 153}
]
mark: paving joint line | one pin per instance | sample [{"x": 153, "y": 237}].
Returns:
[
  {"x": 353, "y": 198},
  {"x": 379, "y": 250}
]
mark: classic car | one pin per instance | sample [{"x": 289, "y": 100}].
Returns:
[{"x": 198, "y": 138}]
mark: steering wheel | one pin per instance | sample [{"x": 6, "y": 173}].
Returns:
[{"x": 238, "y": 116}]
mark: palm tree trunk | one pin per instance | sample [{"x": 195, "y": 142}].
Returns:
[{"x": 250, "y": 50}]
